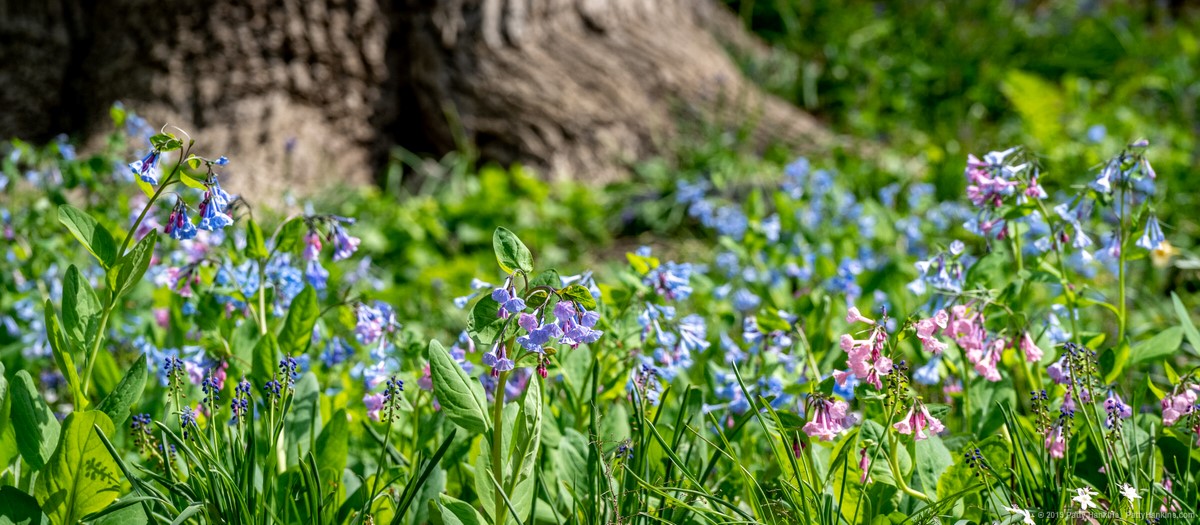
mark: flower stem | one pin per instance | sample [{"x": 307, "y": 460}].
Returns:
[
  {"x": 497, "y": 444},
  {"x": 111, "y": 304}
]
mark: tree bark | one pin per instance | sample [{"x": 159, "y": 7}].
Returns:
[{"x": 577, "y": 88}]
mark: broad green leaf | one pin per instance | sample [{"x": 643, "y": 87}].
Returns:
[
  {"x": 572, "y": 464},
  {"x": 1161, "y": 345},
  {"x": 934, "y": 459},
  {"x": 90, "y": 233},
  {"x": 134, "y": 264},
  {"x": 547, "y": 278},
  {"x": 580, "y": 295},
  {"x": 460, "y": 395},
  {"x": 484, "y": 323},
  {"x": 81, "y": 477},
  {"x": 81, "y": 310},
  {"x": 333, "y": 448},
  {"x": 291, "y": 235},
  {"x": 511, "y": 253},
  {"x": 62, "y": 356},
  {"x": 19, "y": 508},
  {"x": 264, "y": 360},
  {"x": 457, "y": 512},
  {"x": 8, "y": 437},
  {"x": 38, "y": 427},
  {"x": 256, "y": 244},
  {"x": 304, "y": 419},
  {"x": 116, "y": 406},
  {"x": 1185, "y": 320},
  {"x": 297, "y": 331}
]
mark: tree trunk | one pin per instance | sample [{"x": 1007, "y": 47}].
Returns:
[{"x": 578, "y": 88}]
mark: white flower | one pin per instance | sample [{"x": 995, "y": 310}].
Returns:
[
  {"x": 1129, "y": 492},
  {"x": 1018, "y": 511},
  {"x": 1084, "y": 498}
]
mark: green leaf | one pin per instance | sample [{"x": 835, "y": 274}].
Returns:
[
  {"x": 641, "y": 265},
  {"x": 19, "y": 508},
  {"x": 81, "y": 309},
  {"x": 63, "y": 356},
  {"x": 116, "y": 406},
  {"x": 134, "y": 264},
  {"x": 304, "y": 419},
  {"x": 1161, "y": 345},
  {"x": 1185, "y": 320},
  {"x": 460, "y": 395},
  {"x": 572, "y": 464},
  {"x": 457, "y": 512},
  {"x": 165, "y": 142},
  {"x": 81, "y": 477},
  {"x": 580, "y": 295},
  {"x": 511, "y": 253},
  {"x": 291, "y": 235},
  {"x": 256, "y": 244},
  {"x": 8, "y": 437},
  {"x": 297, "y": 331},
  {"x": 264, "y": 360},
  {"x": 90, "y": 233},
  {"x": 935, "y": 458},
  {"x": 484, "y": 323},
  {"x": 333, "y": 448},
  {"x": 39, "y": 428}
]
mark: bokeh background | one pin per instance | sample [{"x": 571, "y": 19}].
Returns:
[{"x": 584, "y": 114}]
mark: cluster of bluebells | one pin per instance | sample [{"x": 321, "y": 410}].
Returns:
[
  {"x": 213, "y": 207},
  {"x": 374, "y": 329},
  {"x": 673, "y": 340}
]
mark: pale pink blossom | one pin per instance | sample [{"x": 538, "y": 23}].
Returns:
[
  {"x": 864, "y": 464},
  {"x": 374, "y": 403},
  {"x": 853, "y": 316},
  {"x": 1031, "y": 350},
  {"x": 917, "y": 421},
  {"x": 1056, "y": 442},
  {"x": 829, "y": 419},
  {"x": 1179, "y": 404}
]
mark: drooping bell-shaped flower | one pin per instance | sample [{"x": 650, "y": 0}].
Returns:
[
  {"x": 147, "y": 168},
  {"x": 1152, "y": 237},
  {"x": 917, "y": 421}
]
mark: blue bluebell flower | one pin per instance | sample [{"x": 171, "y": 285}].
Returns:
[
  {"x": 147, "y": 168},
  {"x": 928, "y": 373},
  {"x": 316, "y": 275},
  {"x": 497, "y": 358},
  {"x": 731, "y": 222},
  {"x": 687, "y": 193},
  {"x": 179, "y": 226},
  {"x": 336, "y": 352},
  {"x": 1152, "y": 238},
  {"x": 671, "y": 280},
  {"x": 693, "y": 333},
  {"x": 732, "y": 352},
  {"x": 344, "y": 244},
  {"x": 509, "y": 304},
  {"x": 1096, "y": 133},
  {"x": 745, "y": 301},
  {"x": 538, "y": 336}
]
